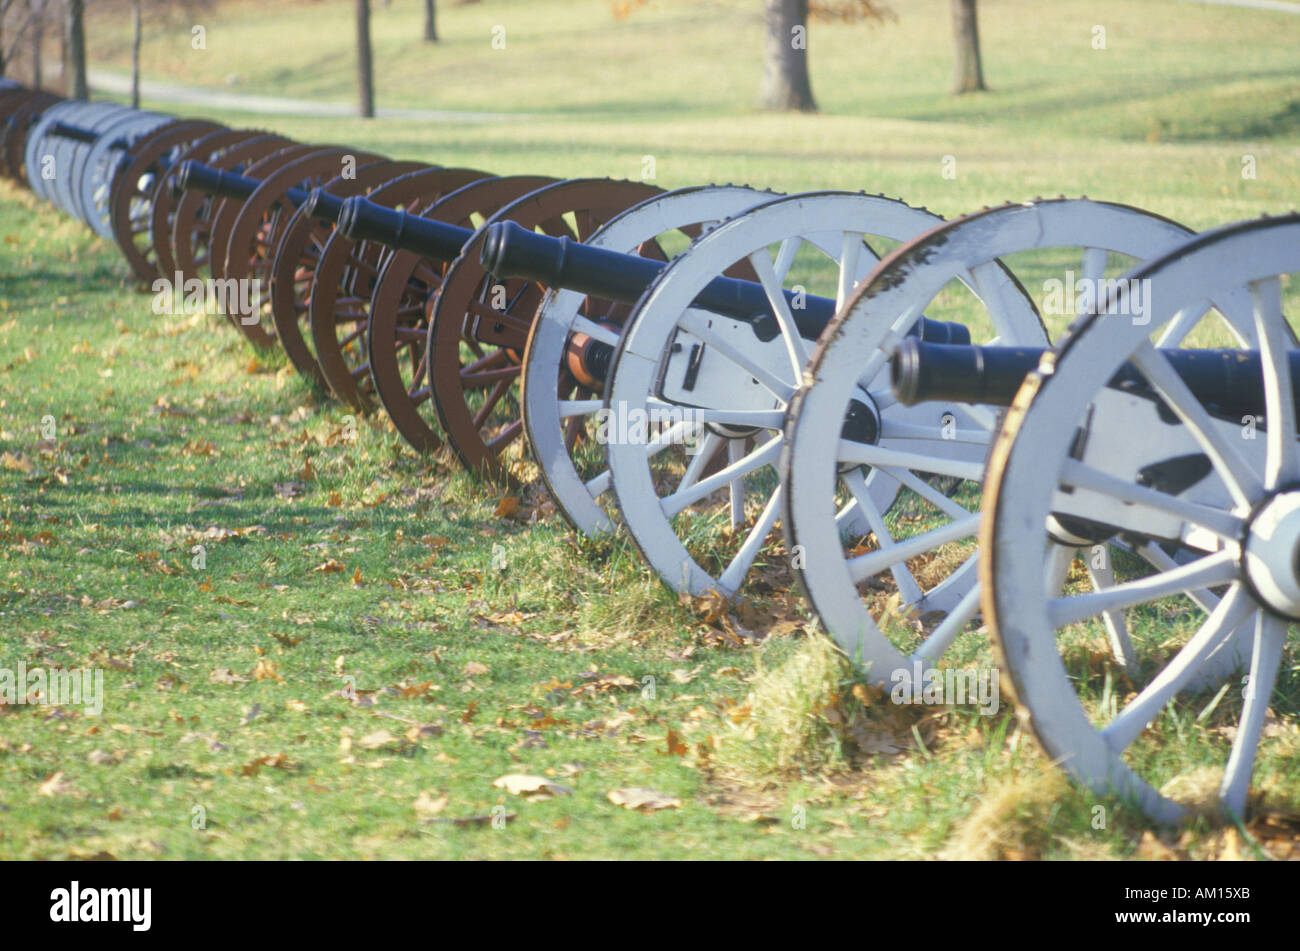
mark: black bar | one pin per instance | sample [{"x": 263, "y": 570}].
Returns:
[
  {"x": 1228, "y": 382},
  {"x": 363, "y": 220},
  {"x": 212, "y": 181}
]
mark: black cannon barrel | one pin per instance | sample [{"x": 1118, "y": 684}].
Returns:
[
  {"x": 221, "y": 184},
  {"x": 510, "y": 250},
  {"x": 1229, "y": 382},
  {"x": 62, "y": 130},
  {"x": 363, "y": 220}
]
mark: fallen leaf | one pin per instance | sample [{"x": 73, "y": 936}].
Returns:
[
  {"x": 330, "y": 567},
  {"x": 267, "y": 670},
  {"x": 274, "y": 761},
  {"x": 646, "y": 800},
  {"x": 507, "y": 506},
  {"x": 531, "y": 787},
  {"x": 55, "y": 785},
  {"x": 427, "y": 805},
  {"x": 378, "y": 740},
  {"x": 224, "y": 675},
  {"x": 474, "y": 669}
]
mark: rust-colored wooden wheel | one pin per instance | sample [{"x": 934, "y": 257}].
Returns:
[
  {"x": 182, "y": 226},
  {"x": 346, "y": 275},
  {"x": 20, "y": 123},
  {"x": 225, "y": 211},
  {"x": 164, "y": 205},
  {"x": 12, "y": 103},
  {"x": 131, "y": 206},
  {"x": 296, "y": 256},
  {"x": 478, "y": 327},
  {"x": 260, "y": 223},
  {"x": 397, "y": 335}
]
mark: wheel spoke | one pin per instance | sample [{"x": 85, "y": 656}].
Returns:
[
  {"x": 1142, "y": 709},
  {"x": 730, "y": 579},
  {"x": 941, "y": 637},
  {"x": 1176, "y": 331},
  {"x": 595, "y": 331},
  {"x": 1282, "y": 467},
  {"x": 1093, "y": 268},
  {"x": 872, "y": 563},
  {"x": 736, "y": 452},
  {"x": 1218, "y": 568},
  {"x": 1237, "y": 473},
  {"x": 794, "y": 343},
  {"x": 570, "y": 408},
  {"x": 1083, "y": 476},
  {"x": 850, "y": 255},
  {"x": 708, "y": 448},
  {"x": 682, "y": 498},
  {"x": 1266, "y": 655},
  {"x": 1121, "y": 646},
  {"x": 867, "y": 455},
  {"x": 908, "y": 589},
  {"x": 926, "y": 491}
]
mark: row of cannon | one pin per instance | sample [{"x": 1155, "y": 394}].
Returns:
[{"x": 838, "y": 380}]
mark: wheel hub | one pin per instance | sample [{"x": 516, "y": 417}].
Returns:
[{"x": 1271, "y": 555}]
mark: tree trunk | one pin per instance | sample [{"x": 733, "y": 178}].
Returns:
[
  {"x": 969, "y": 74},
  {"x": 785, "y": 66},
  {"x": 365, "y": 71},
  {"x": 77, "y": 49},
  {"x": 37, "y": 38},
  {"x": 430, "y": 22},
  {"x": 135, "y": 54}
]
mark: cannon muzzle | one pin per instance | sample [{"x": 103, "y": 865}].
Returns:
[{"x": 322, "y": 205}]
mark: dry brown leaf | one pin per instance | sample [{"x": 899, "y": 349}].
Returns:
[
  {"x": 330, "y": 567},
  {"x": 475, "y": 669},
  {"x": 266, "y": 669},
  {"x": 274, "y": 761},
  {"x": 507, "y": 506}
]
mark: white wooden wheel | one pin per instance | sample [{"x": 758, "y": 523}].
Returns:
[
  {"x": 1231, "y": 597},
  {"x": 921, "y": 561},
  {"x": 102, "y": 160},
  {"x": 721, "y": 384},
  {"x": 562, "y": 432}
]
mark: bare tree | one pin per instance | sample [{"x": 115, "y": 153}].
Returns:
[
  {"x": 135, "y": 54},
  {"x": 36, "y": 31},
  {"x": 365, "y": 69},
  {"x": 968, "y": 74},
  {"x": 430, "y": 22},
  {"x": 786, "y": 84},
  {"x": 76, "y": 31}
]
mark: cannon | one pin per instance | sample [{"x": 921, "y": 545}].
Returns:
[
  {"x": 1210, "y": 538},
  {"x": 926, "y": 551}
]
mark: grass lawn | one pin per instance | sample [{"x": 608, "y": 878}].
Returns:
[{"x": 315, "y": 643}]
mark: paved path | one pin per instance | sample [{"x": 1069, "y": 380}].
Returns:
[
  {"x": 120, "y": 84},
  {"x": 1277, "y": 6}
]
